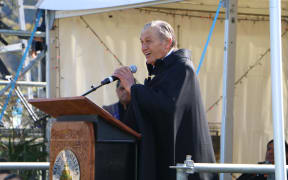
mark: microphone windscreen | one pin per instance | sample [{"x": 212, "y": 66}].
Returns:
[{"x": 133, "y": 68}]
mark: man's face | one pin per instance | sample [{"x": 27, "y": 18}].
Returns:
[
  {"x": 123, "y": 95},
  {"x": 270, "y": 153},
  {"x": 153, "y": 47}
]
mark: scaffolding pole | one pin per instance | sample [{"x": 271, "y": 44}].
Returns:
[
  {"x": 21, "y": 33},
  {"x": 25, "y": 69},
  {"x": 24, "y": 83}
]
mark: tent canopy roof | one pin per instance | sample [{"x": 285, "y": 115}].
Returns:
[
  {"x": 72, "y": 5},
  {"x": 257, "y": 7}
]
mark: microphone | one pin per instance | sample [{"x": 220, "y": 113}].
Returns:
[{"x": 110, "y": 79}]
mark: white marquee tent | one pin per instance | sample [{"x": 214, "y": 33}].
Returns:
[{"x": 92, "y": 38}]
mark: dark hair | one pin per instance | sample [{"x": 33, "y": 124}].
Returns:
[{"x": 272, "y": 141}]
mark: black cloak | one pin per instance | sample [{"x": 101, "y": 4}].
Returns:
[{"x": 169, "y": 113}]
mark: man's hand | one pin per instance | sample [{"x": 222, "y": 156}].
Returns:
[{"x": 126, "y": 77}]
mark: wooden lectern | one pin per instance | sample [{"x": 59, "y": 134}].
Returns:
[{"x": 87, "y": 142}]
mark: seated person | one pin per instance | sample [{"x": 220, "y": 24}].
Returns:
[
  {"x": 119, "y": 109},
  {"x": 269, "y": 159}
]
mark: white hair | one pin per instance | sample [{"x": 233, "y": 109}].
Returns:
[{"x": 165, "y": 30}]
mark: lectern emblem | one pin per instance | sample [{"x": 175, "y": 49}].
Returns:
[{"x": 66, "y": 166}]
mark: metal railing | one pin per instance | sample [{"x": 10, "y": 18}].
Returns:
[
  {"x": 189, "y": 167},
  {"x": 21, "y": 33},
  {"x": 25, "y": 83},
  {"x": 24, "y": 165},
  {"x": 36, "y": 132}
]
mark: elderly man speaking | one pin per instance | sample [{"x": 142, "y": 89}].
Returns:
[{"x": 167, "y": 109}]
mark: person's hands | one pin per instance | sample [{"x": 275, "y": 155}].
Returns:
[{"x": 126, "y": 77}]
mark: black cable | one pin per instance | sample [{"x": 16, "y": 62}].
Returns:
[{"x": 91, "y": 90}]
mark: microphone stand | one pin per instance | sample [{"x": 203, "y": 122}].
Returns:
[{"x": 92, "y": 89}]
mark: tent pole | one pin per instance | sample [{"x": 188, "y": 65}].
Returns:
[
  {"x": 226, "y": 148},
  {"x": 48, "y": 94},
  {"x": 277, "y": 89}
]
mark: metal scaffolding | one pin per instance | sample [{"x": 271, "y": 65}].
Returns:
[{"x": 29, "y": 63}]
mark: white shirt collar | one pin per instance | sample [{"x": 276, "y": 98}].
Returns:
[{"x": 171, "y": 50}]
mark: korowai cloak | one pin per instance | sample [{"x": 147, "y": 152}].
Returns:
[{"x": 169, "y": 113}]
